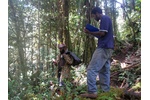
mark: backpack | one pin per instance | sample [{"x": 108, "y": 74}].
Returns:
[{"x": 76, "y": 60}]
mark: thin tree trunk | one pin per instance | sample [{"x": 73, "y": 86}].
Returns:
[
  {"x": 33, "y": 66},
  {"x": 48, "y": 46},
  {"x": 60, "y": 18},
  {"x": 114, "y": 17},
  {"x": 106, "y": 7},
  {"x": 39, "y": 44}
]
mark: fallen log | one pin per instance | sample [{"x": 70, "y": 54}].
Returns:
[
  {"x": 131, "y": 95},
  {"x": 133, "y": 65}
]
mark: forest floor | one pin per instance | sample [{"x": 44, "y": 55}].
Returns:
[
  {"x": 126, "y": 73},
  {"x": 125, "y": 81}
]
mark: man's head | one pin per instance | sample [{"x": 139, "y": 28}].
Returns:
[
  {"x": 62, "y": 48},
  {"x": 96, "y": 13}
]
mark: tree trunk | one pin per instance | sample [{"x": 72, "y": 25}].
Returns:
[
  {"x": 32, "y": 52},
  {"x": 60, "y": 18},
  {"x": 39, "y": 44},
  {"x": 48, "y": 46},
  {"x": 89, "y": 44},
  {"x": 114, "y": 18},
  {"x": 66, "y": 24},
  {"x": 106, "y": 7}
]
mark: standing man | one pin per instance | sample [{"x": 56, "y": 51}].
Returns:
[
  {"x": 100, "y": 62},
  {"x": 63, "y": 62}
]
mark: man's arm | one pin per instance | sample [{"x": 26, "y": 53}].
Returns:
[
  {"x": 57, "y": 60},
  {"x": 97, "y": 34}
]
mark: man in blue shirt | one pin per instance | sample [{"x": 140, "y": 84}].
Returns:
[{"x": 100, "y": 62}]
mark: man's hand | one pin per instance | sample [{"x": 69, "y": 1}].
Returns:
[
  {"x": 86, "y": 31},
  {"x": 54, "y": 61}
]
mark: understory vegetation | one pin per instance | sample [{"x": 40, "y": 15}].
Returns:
[{"x": 43, "y": 85}]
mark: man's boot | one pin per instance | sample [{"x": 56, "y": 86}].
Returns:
[{"x": 89, "y": 95}]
